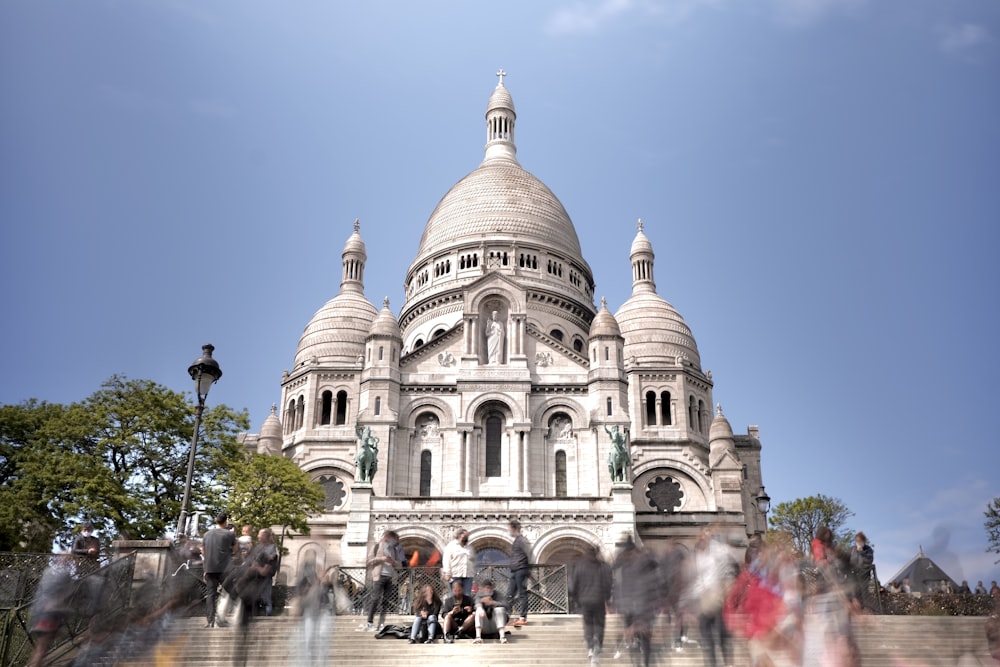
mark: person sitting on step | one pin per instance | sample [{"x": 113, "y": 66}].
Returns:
[
  {"x": 457, "y": 612},
  {"x": 491, "y": 615},
  {"x": 425, "y": 610}
]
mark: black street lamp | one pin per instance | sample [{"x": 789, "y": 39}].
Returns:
[
  {"x": 205, "y": 372},
  {"x": 763, "y": 503}
]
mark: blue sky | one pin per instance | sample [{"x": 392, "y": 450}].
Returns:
[{"x": 820, "y": 180}]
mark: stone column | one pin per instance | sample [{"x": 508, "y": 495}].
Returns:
[
  {"x": 622, "y": 513},
  {"x": 354, "y": 545}
]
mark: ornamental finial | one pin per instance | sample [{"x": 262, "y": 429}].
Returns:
[
  {"x": 357, "y": 225},
  {"x": 604, "y": 302},
  {"x": 501, "y": 74},
  {"x": 385, "y": 302},
  {"x": 640, "y": 224}
]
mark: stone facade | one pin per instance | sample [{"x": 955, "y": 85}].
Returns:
[{"x": 494, "y": 393}]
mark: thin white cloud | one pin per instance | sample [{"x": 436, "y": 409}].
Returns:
[
  {"x": 961, "y": 39},
  {"x": 807, "y": 12},
  {"x": 587, "y": 18}
]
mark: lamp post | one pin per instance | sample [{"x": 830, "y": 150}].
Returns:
[
  {"x": 205, "y": 372},
  {"x": 763, "y": 503}
]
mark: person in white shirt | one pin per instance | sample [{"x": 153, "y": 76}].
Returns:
[{"x": 458, "y": 563}]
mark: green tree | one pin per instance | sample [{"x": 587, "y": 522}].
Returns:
[
  {"x": 992, "y": 524},
  {"x": 118, "y": 459},
  {"x": 801, "y": 517},
  {"x": 40, "y": 465},
  {"x": 272, "y": 491}
]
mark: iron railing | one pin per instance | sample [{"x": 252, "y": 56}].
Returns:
[
  {"x": 548, "y": 588},
  {"x": 95, "y": 587}
]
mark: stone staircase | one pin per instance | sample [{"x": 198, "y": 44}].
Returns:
[{"x": 885, "y": 641}]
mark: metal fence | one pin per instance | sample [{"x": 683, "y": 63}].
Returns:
[
  {"x": 548, "y": 589},
  {"x": 94, "y": 587}
]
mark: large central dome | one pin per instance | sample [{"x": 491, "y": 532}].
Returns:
[{"x": 499, "y": 200}]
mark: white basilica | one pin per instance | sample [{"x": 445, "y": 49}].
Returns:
[{"x": 496, "y": 391}]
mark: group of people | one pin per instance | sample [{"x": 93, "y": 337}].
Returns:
[
  {"x": 238, "y": 571},
  {"x": 792, "y": 608},
  {"x": 470, "y": 609}
]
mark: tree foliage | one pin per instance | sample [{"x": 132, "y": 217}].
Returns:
[
  {"x": 272, "y": 491},
  {"x": 992, "y": 525},
  {"x": 801, "y": 517},
  {"x": 118, "y": 459}
]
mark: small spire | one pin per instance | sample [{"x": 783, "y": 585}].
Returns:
[
  {"x": 640, "y": 224},
  {"x": 501, "y": 74},
  {"x": 357, "y": 225},
  {"x": 274, "y": 409},
  {"x": 718, "y": 409},
  {"x": 385, "y": 302},
  {"x": 604, "y": 303}
]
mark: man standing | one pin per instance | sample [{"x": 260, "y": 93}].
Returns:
[
  {"x": 388, "y": 556},
  {"x": 520, "y": 571},
  {"x": 85, "y": 544},
  {"x": 219, "y": 545},
  {"x": 459, "y": 561},
  {"x": 590, "y": 588}
]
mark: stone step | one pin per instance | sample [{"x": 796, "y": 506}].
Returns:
[{"x": 885, "y": 641}]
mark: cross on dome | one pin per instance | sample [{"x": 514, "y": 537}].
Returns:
[
  {"x": 501, "y": 74},
  {"x": 640, "y": 224},
  {"x": 357, "y": 225}
]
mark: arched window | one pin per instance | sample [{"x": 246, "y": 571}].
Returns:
[
  {"x": 701, "y": 416},
  {"x": 418, "y": 343},
  {"x": 300, "y": 413},
  {"x": 692, "y": 420},
  {"x": 290, "y": 414},
  {"x": 438, "y": 333},
  {"x": 665, "y": 419},
  {"x": 650, "y": 408},
  {"x": 494, "y": 445},
  {"x": 381, "y": 352},
  {"x": 341, "y": 408},
  {"x": 607, "y": 353},
  {"x": 609, "y": 407},
  {"x": 425, "y": 473},
  {"x": 557, "y": 334},
  {"x": 326, "y": 411},
  {"x": 560, "y": 474},
  {"x": 577, "y": 345},
  {"x": 378, "y": 405}
]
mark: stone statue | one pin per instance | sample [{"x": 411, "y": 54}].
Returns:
[
  {"x": 494, "y": 341},
  {"x": 619, "y": 458},
  {"x": 366, "y": 459},
  {"x": 430, "y": 428}
]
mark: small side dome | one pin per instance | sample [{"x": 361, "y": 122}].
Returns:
[
  {"x": 337, "y": 332},
  {"x": 654, "y": 331},
  {"x": 720, "y": 429},
  {"x": 604, "y": 323},
  {"x": 270, "y": 438},
  {"x": 385, "y": 325}
]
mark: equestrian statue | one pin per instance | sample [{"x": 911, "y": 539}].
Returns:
[
  {"x": 366, "y": 459},
  {"x": 619, "y": 459}
]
